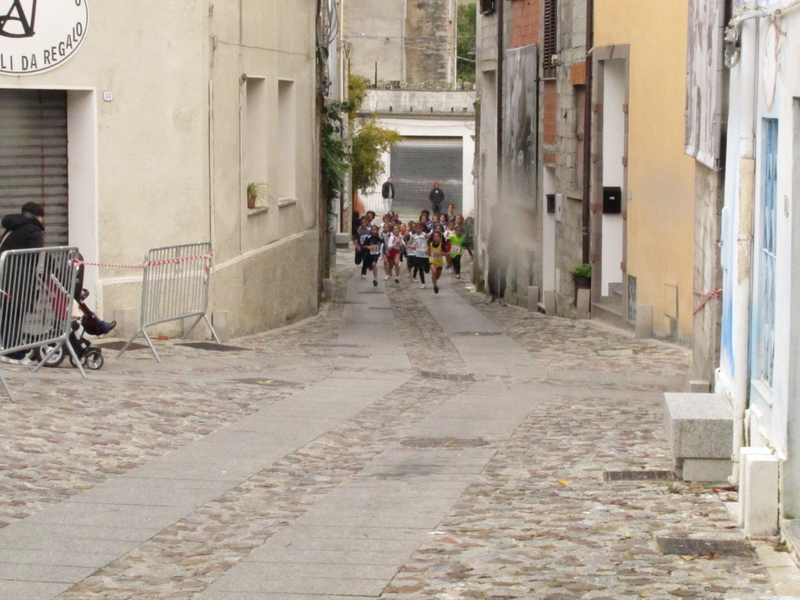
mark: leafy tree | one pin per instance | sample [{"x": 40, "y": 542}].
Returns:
[
  {"x": 369, "y": 142},
  {"x": 467, "y": 23},
  {"x": 334, "y": 152}
]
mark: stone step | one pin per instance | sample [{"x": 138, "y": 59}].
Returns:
[{"x": 699, "y": 429}]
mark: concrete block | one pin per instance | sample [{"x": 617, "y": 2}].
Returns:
[
  {"x": 758, "y": 494},
  {"x": 550, "y": 303},
  {"x": 327, "y": 289},
  {"x": 343, "y": 240},
  {"x": 699, "y": 387},
  {"x": 698, "y": 426},
  {"x": 583, "y": 304},
  {"x": 706, "y": 469},
  {"x": 533, "y": 298},
  {"x": 644, "y": 321},
  {"x": 127, "y": 322},
  {"x": 219, "y": 319},
  {"x": 743, "y": 474}
]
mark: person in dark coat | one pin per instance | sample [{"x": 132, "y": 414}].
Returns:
[
  {"x": 436, "y": 197},
  {"x": 387, "y": 191},
  {"x": 23, "y": 231}
]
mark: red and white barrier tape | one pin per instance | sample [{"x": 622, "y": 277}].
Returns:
[
  {"x": 706, "y": 298},
  {"x": 152, "y": 263}
]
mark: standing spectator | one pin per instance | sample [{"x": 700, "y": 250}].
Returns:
[
  {"x": 436, "y": 197},
  {"x": 23, "y": 232},
  {"x": 388, "y": 195},
  {"x": 451, "y": 212}
]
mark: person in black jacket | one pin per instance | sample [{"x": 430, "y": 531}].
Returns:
[
  {"x": 436, "y": 197},
  {"x": 23, "y": 231},
  {"x": 387, "y": 191}
]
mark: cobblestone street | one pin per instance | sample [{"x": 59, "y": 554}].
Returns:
[{"x": 400, "y": 445}]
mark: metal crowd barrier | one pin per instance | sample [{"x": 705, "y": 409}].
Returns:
[
  {"x": 175, "y": 286},
  {"x": 36, "y": 292}
]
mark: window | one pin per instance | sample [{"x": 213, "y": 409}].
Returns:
[
  {"x": 487, "y": 6},
  {"x": 550, "y": 38},
  {"x": 255, "y": 141},
  {"x": 286, "y": 154}
]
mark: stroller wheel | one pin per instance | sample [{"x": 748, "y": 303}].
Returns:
[
  {"x": 55, "y": 359},
  {"x": 94, "y": 359}
]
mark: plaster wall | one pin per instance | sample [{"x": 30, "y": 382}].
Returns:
[
  {"x": 161, "y": 163},
  {"x": 660, "y": 222}
]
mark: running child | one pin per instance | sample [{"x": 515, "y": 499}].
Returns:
[
  {"x": 448, "y": 233},
  {"x": 392, "y": 257},
  {"x": 362, "y": 252},
  {"x": 469, "y": 233},
  {"x": 457, "y": 249},
  {"x": 419, "y": 246},
  {"x": 436, "y": 253},
  {"x": 373, "y": 244}
]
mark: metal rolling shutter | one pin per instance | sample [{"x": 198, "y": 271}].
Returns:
[
  {"x": 33, "y": 156},
  {"x": 416, "y": 163}
]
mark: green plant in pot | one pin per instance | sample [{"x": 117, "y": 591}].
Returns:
[
  {"x": 255, "y": 192},
  {"x": 582, "y": 274}
]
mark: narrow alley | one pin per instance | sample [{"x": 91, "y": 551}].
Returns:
[{"x": 400, "y": 445}]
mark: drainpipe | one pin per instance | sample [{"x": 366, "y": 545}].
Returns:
[
  {"x": 587, "y": 135},
  {"x": 744, "y": 235},
  {"x": 500, "y": 80}
]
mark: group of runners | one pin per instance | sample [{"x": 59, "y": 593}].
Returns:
[{"x": 428, "y": 245}]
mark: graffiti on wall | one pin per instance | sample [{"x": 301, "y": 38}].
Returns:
[{"x": 519, "y": 125}]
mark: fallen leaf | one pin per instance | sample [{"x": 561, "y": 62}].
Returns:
[
  {"x": 687, "y": 557},
  {"x": 564, "y": 482}
]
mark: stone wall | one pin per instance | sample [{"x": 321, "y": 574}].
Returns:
[{"x": 429, "y": 36}]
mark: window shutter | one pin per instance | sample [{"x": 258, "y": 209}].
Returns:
[
  {"x": 487, "y": 6},
  {"x": 550, "y": 37}
]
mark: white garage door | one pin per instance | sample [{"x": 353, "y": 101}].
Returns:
[{"x": 416, "y": 162}]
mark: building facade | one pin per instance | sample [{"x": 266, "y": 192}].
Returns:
[
  {"x": 570, "y": 146},
  {"x": 149, "y": 128},
  {"x": 756, "y": 111}
]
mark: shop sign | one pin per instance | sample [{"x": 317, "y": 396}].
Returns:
[{"x": 39, "y": 35}]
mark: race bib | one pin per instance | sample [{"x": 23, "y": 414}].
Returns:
[
  {"x": 454, "y": 249},
  {"x": 375, "y": 249}
]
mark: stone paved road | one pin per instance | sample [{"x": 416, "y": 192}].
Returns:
[{"x": 401, "y": 445}]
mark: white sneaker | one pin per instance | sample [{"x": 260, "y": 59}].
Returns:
[
  {"x": 363, "y": 276},
  {"x": 386, "y": 278},
  {"x": 458, "y": 276},
  {"x": 422, "y": 287}
]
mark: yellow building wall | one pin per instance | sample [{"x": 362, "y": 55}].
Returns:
[{"x": 660, "y": 224}]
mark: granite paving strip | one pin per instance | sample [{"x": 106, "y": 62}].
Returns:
[{"x": 230, "y": 455}]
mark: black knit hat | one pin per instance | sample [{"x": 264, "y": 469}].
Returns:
[{"x": 37, "y": 210}]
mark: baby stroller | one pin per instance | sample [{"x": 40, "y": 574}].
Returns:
[{"x": 87, "y": 324}]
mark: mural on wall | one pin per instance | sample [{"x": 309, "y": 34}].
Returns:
[
  {"x": 704, "y": 82},
  {"x": 40, "y": 35},
  {"x": 519, "y": 125}
]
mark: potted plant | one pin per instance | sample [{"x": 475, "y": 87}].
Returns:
[
  {"x": 582, "y": 274},
  {"x": 255, "y": 192}
]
